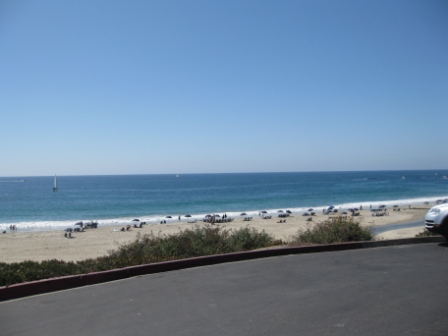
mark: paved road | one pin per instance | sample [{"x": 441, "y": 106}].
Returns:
[
  {"x": 397, "y": 290},
  {"x": 389, "y": 227}
]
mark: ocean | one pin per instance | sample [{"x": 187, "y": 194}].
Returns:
[{"x": 30, "y": 203}]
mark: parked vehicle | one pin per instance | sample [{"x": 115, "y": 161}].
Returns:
[{"x": 436, "y": 220}]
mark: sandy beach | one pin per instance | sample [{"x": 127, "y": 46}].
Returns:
[{"x": 44, "y": 245}]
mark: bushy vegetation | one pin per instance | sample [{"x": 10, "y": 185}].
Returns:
[
  {"x": 199, "y": 241},
  {"x": 335, "y": 230},
  {"x": 426, "y": 233}
]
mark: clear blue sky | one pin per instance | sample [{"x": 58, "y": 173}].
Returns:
[{"x": 142, "y": 87}]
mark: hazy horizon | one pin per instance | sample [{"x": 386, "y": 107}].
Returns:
[{"x": 441, "y": 171}]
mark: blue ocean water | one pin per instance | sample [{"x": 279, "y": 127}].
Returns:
[{"x": 30, "y": 203}]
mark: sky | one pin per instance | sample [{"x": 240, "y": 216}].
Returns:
[{"x": 104, "y": 87}]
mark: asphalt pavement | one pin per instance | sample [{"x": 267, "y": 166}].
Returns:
[
  {"x": 389, "y": 227},
  {"x": 397, "y": 290}
]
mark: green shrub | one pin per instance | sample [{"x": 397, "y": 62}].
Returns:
[
  {"x": 198, "y": 241},
  {"x": 336, "y": 230},
  {"x": 426, "y": 233}
]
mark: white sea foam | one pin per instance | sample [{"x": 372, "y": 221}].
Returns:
[{"x": 61, "y": 225}]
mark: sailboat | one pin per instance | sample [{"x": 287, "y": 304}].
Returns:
[{"x": 55, "y": 184}]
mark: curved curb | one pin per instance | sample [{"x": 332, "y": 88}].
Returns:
[{"x": 56, "y": 284}]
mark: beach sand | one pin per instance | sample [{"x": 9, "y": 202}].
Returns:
[{"x": 45, "y": 245}]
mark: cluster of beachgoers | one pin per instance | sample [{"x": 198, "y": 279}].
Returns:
[{"x": 94, "y": 239}]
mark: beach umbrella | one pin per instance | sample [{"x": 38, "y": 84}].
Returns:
[
  {"x": 306, "y": 214},
  {"x": 168, "y": 217},
  {"x": 263, "y": 211},
  {"x": 395, "y": 206},
  {"x": 216, "y": 215},
  {"x": 288, "y": 211},
  {"x": 68, "y": 230},
  {"x": 187, "y": 216},
  {"x": 280, "y": 211},
  {"x": 310, "y": 209},
  {"x": 208, "y": 216},
  {"x": 243, "y": 214},
  {"x": 136, "y": 220},
  {"x": 80, "y": 223}
]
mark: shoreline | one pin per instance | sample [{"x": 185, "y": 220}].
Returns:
[
  {"x": 54, "y": 225},
  {"x": 17, "y": 246}
]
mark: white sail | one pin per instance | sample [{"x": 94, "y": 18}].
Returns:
[{"x": 55, "y": 184}]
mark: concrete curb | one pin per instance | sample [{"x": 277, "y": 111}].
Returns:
[{"x": 68, "y": 282}]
